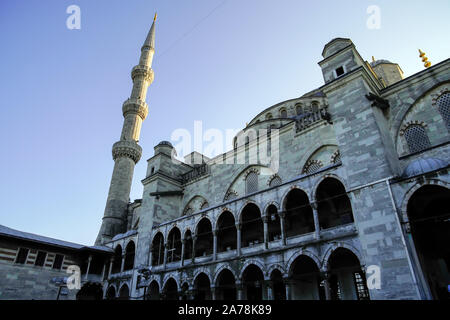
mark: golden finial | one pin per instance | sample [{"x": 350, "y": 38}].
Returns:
[
  {"x": 154, "y": 19},
  {"x": 373, "y": 59},
  {"x": 425, "y": 61}
]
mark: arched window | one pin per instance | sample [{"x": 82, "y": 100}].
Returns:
[
  {"x": 158, "y": 249},
  {"x": 117, "y": 260},
  {"x": 174, "y": 242},
  {"x": 333, "y": 204},
  {"x": 204, "y": 205},
  {"x": 226, "y": 235},
  {"x": 276, "y": 181},
  {"x": 129, "y": 256},
  {"x": 251, "y": 183},
  {"x": 298, "y": 109},
  {"x": 416, "y": 138},
  {"x": 204, "y": 240},
  {"x": 443, "y": 104},
  {"x": 283, "y": 113},
  {"x": 312, "y": 166},
  {"x": 314, "y": 106},
  {"x": 269, "y": 116},
  {"x": 231, "y": 195}
]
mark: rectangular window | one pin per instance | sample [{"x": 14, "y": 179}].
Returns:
[
  {"x": 340, "y": 71},
  {"x": 57, "y": 264},
  {"x": 40, "y": 259},
  {"x": 22, "y": 255}
]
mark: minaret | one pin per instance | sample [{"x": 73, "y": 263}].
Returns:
[{"x": 126, "y": 152}]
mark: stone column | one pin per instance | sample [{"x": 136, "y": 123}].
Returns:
[
  {"x": 214, "y": 245},
  {"x": 103, "y": 271},
  {"x": 88, "y": 267},
  {"x": 194, "y": 240},
  {"x": 240, "y": 290},
  {"x": 122, "y": 265},
  {"x": 150, "y": 256},
  {"x": 183, "y": 245},
  {"x": 316, "y": 220},
  {"x": 111, "y": 261},
  {"x": 288, "y": 285},
  {"x": 283, "y": 229},
  {"x": 266, "y": 232},
  {"x": 238, "y": 239},
  {"x": 166, "y": 248},
  {"x": 269, "y": 291},
  {"x": 326, "y": 283},
  {"x": 213, "y": 292}
]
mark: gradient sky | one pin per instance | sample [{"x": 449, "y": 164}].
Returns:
[{"x": 218, "y": 61}]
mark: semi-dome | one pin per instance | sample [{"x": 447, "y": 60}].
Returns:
[{"x": 423, "y": 165}]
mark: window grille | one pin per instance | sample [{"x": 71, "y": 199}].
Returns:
[
  {"x": 251, "y": 182},
  {"x": 443, "y": 104},
  {"x": 416, "y": 138},
  {"x": 312, "y": 166},
  {"x": 275, "y": 182}
]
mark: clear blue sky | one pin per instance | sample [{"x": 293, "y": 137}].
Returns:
[{"x": 62, "y": 90}]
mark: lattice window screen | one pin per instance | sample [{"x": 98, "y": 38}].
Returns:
[
  {"x": 444, "y": 108},
  {"x": 416, "y": 138},
  {"x": 251, "y": 182},
  {"x": 275, "y": 182},
  {"x": 312, "y": 166}
]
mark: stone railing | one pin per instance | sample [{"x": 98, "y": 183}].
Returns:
[
  {"x": 306, "y": 120},
  {"x": 197, "y": 172}
]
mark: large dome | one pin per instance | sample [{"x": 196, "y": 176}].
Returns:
[{"x": 423, "y": 165}]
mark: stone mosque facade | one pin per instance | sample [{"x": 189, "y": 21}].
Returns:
[
  {"x": 359, "y": 192},
  {"x": 346, "y": 197}
]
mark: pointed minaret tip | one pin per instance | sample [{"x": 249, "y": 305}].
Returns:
[{"x": 154, "y": 19}]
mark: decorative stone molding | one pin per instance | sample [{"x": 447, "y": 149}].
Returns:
[
  {"x": 311, "y": 163},
  {"x": 255, "y": 170},
  {"x": 435, "y": 97},
  {"x": 231, "y": 194},
  {"x": 272, "y": 177},
  {"x": 336, "y": 157},
  {"x": 142, "y": 72},
  {"x": 411, "y": 123},
  {"x": 128, "y": 149},
  {"x": 136, "y": 106}
]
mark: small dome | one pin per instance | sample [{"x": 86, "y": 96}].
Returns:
[
  {"x": 165, "y": 143},
  {"x": 423, "y": 165},
  {"x": 377, "y": 62}
]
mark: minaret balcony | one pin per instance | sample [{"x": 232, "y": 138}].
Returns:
[
  {"x": 136, "y": 106},
  {"x": 141, "y": 71},
  {"x": 129, "y": 149}
]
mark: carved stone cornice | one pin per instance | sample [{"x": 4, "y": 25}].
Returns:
[
  {"x": 128, "y": 149},
  {"x": 143, "y": 72},
  {"x": 136, "y": 106}
]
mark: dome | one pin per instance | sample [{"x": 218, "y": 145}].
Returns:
[
  {"x": 377, "y": 62},
  {"x": 423, "y": 165},
  {"x": 165, "y": 143}
]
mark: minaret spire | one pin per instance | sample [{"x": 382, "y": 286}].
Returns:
[{"x": 127, "y": 152}]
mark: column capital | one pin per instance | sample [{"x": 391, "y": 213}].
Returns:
[
  {"x": 238, "y": 225},
  {"x": 265, "y": 218},
  {"x": 313, "y": 205},
  {"x": 282, "y": 214}
]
